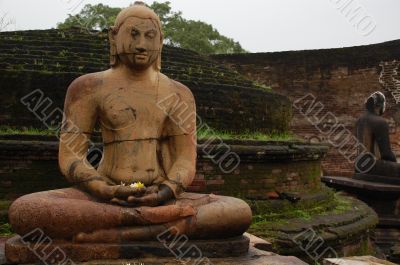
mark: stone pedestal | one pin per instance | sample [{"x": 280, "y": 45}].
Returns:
[
  {"x": 19, "y": 251},
  {"x": 253, "y": 256},
  {"x": 380, "y": 193}
]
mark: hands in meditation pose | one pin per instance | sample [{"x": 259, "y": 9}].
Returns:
[{"x": 143, "y": 142}]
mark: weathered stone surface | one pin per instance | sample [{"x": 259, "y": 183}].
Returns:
[
  {"x": 395, "y": 253},
  {"x": 343, "y": 182},
  {"x": 2, "y": 256},
  {"x": 259, "y": 243},
  {"x": 384, "y": 198},
  {"x": 366, "y": 260},
  {"x": 253, "y": 257},
  {"x": 340, "y": 232},
  {"x": 378, "y": 178},
  {"x": 19, "y": 252}
]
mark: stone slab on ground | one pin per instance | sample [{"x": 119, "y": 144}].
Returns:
[
  {"x": 361, "y": 184},
  {"x": 395, "y": 252},
  {"x": 365, "y": 260},
  {"x": 2, "y": 256},
  {"x": 253, "y": 257},
  {"x": 18, "y": 251},
  {"x": 259, "y": 243}
]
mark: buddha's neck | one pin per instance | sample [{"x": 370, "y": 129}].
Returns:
[{"x": 137, "y": 75}]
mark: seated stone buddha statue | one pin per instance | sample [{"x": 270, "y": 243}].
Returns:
[
  {"x": 373, "y": 132},
  {"x": 145, "y": 142}
]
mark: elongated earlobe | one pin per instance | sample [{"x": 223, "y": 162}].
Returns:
[
  {"x": 158, "y": 62},
  {"x": 113, "y": 46}
]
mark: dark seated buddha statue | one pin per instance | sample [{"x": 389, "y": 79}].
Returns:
[{"x": 373, "y": 132}]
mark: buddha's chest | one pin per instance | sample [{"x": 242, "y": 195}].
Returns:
[{"x": 131, "y": 110}]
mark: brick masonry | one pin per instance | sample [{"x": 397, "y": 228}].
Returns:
[
  {"x": 50, "y": 60},
  {"x": 340, "y": 79},
  {"x": 31, "y": 166}
]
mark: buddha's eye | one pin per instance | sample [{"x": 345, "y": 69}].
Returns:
[
  {"x": 135, "y": 33},
  {"x": 150, "y": 35}
]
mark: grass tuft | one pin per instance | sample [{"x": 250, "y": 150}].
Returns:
[
  {"x": 4, "y": 130},
  {"x": 202, "y": 133},
  {"x": 5, "y": 230}
]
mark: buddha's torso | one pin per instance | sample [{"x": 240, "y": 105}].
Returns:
[
  {"x": 132, "y": 126},
  {"x": 367, "y": 127}
]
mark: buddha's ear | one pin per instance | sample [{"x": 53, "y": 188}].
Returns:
[
  {"x": 158, "y": 63},
  {"x": 113, "y": 46},
  {"x": 161, "y": 38}
]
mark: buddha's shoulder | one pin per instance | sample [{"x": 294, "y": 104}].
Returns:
[
  {"x": 372, "y": 120},
  {"x": 86, "y": 84},
  {"x": 380, "y": 121},
  {"x": 169, "y": 86}
]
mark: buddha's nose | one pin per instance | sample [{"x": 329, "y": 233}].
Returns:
[{"x": 141, "y": 47}]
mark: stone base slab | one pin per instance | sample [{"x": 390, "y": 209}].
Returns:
[
  {"x": 365, "y": 260},
  {"x": 358, "y": 184},
  {"x": 377, "y": 178},
  {"x": 19, "y": 252},
  {"x": 254, "y": 256}
]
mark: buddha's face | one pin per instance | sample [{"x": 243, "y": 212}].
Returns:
[{"x": 138, "y": 43}]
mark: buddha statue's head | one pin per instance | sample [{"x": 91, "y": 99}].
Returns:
[
  {"x": 376, "y": 103},
  {"x": 136, "y": 38}
]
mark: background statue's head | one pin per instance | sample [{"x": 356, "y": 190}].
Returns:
[
  {"x": 136, "y": 38},
  {"x": 376, "y": 103}
]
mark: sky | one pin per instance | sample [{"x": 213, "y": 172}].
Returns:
[{"x": 259, "y": 25}]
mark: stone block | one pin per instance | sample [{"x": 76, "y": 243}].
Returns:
[
  {"x": 18, "y": 251},
  {"x": 365, "y": 260}
]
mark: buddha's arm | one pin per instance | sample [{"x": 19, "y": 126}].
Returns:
[
  {"x": 80, "y": 111},
  {"x": 383, "y": 140},
  {"x": 181, "y": 130},
  {"x": 183, "y": 169}
]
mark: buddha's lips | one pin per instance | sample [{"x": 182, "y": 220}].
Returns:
[
  {"x": 140, "y": 56},
  {"x": 136, "y": 53}
]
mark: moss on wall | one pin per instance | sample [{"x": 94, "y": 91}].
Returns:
[{"x": 51, "y": 59}]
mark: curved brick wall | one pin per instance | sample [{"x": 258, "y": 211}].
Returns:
[
  {"x": 340, "y": 79},
  {"x": 31, "y": 164},
  {"x": 50, "y": 59}
]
